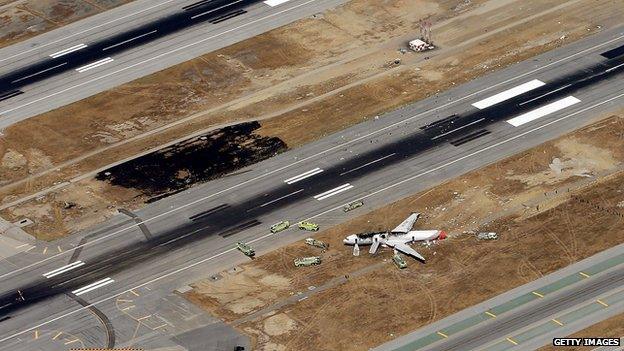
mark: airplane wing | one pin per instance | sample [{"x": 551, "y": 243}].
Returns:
[
  {"x": 374, "y": 247},
  {"x": 406, "y": 249},
  {"x": 407, "y": 224}
]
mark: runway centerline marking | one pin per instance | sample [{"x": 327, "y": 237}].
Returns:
[
  {"x": 339, "y": 207},
  {"x": 543, "y": 111},
  {"x": 129, "y": 40},
  {"x": 508, "y": 94},
  {"x": 537, "y": 294},
  {"x": 456, "y": 129},
  {"x": 369, "y": 163},
  {"x": 86, "y": 30},
  {"x": 280, "y": 198},
  {"x": 68, "y": 50},
  {"x": 545, "y": 94},
  {"x": 602, "y": 303},
  {"x": 584, "y": 275},
  {"x": 38, "y": 73},
  {"x": 614, "y": 68},
  {"x": 557, "y": 322},
  {"x": 490, "y": 314},
  {"x": 273, "y": 3},
  {"x": 303, "y": 176},
  {"x": 218, "y": 8},
  {"x": 305, "y": 159}
]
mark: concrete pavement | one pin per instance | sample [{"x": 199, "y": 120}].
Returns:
[
  {"x": 165, "y": 268},
  {"x": 133, "y": 63}
]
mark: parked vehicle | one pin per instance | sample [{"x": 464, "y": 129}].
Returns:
[
  {"x": 399, "y": 261},
  {"x": 353, "y": 205},
  {"x": 307, "y": 261},
  {"x": 278, "y": 227},
  {"x": 305, "y": 225},
  {"x": 246, "y": 249}
]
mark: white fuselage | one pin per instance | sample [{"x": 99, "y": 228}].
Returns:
[{"x": 388, "y": 238}]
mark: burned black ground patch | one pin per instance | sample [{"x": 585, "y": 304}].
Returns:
[{"x": 200, "y": 159}]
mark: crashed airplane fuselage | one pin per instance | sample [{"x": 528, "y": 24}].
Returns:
[{"x": 398, "y": 238}]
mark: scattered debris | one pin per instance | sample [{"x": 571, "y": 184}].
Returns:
[
  {"x": 317, "y": 243},
  {"x": 487, "y": 236},
  {"x": 68, "y": 204}
]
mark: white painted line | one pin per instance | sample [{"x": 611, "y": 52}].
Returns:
[
  {"x": 303, "y": 176},
  {"x": 218, "y": 8},
  {"x": 92, "y": 286},
  {"x": 456, "y": 129},
  {"x": 616, "y": 67},
  {"x": 275, "y": 2},
  {"x": 94, "y": 64},
  {"x": 129, "y": 40},
  {"x": 34, "y": 74},
  {"x": 177, "y": 271},
  {"x": 276, "y": 170},
  {"x": 548, "y": 93},
  {"x": 281, "y": 198},
  {"x": 369, "y": 163},
  {"x": 86, "y": 30},
  {"x": 333, "y": 192},
  {"x": 543, "y": 111},
  {"x": 508, "y": 94},
  {"x": 63, "y": 269},
  {"x": 68, "y": 50}
]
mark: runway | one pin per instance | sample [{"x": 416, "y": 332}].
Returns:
[
  {"x": 529, "y": 316},
  {"x": 129, "y": 42},
  {"x": 380, "y": 161}
]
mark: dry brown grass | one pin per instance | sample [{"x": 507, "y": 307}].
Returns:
[
  {"x": 21, "y": 20},
  {"x": 320, "y": 87},
  {"x": 459, "y": 272}
]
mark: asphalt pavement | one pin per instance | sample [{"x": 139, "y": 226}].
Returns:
[
  {"x": 529, "y": 316},
  {"x": 126, "y": 43},
  {"x": 381, "y": 160}
]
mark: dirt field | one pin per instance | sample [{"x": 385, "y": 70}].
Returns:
[
  {"x": 314, "y": 87},
  {"x": 23, "y": 19},
  {"x": 562, "y": 197},
  {"x": 609, "y": 328}
]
